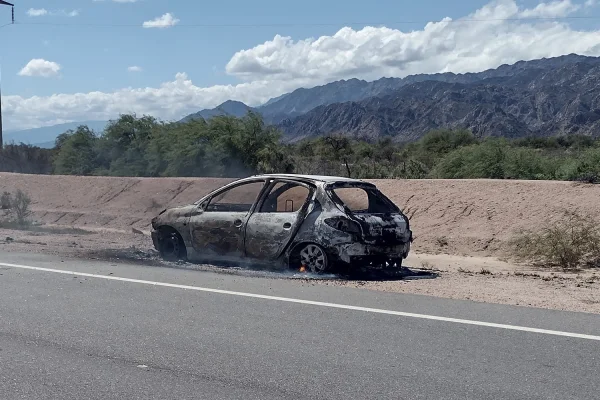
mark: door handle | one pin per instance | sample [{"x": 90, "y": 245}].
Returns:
[
  {"x": 237, "y": 223},
  {"x": 287, "y": 225}
]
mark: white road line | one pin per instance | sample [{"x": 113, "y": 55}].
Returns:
[{"x": 314, "y": 303}]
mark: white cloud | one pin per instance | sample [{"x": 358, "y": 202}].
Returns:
[
  {"x": 170, "y": 100},
  {"x": 487, "y": 38},
  {"x": 493, "y": 35},
  {"x": 590, "y": 3},
  {"x": 560, "y": 8},
  {"x": 40, "y": 12},
  {"x": 37, "y": 12},
  {"x": 164, "y": 21},
  {"x": 134, "y": 68},
  {"x": 40, "y": 67}
]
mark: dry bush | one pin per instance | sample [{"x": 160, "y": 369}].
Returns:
[
  {"x": 18, "y": 209},
  {"x": 571, "y": 242}
]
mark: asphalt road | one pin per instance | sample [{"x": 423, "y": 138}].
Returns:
[{"x": 70, "y": 336}]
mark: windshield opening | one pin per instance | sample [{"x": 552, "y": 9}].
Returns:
[{"x": 361, "y": 200}]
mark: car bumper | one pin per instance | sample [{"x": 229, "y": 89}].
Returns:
[{"x": 352, "y": 252}]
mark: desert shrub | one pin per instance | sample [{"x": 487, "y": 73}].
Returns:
[
  {"x": 18, "y": 209},
  {"x": 484, "y": 160},
  {"x": 525, "y": 163},
  {"x": 571, "y": 242},
  {"x": 587, "y": 167}
]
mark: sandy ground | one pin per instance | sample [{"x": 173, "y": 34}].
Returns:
[{"x": 461, "y": 228}]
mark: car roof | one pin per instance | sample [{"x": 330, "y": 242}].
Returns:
[
  {"x": 296, "y": 177},
  {"x": 319, "y": 178}
]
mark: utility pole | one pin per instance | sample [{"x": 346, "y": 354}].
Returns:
[{"x": 4, "y": 3}]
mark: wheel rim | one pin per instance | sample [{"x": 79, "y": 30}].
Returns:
[{"x": 313, "y": 258}]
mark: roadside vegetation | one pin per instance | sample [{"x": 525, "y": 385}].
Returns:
[
  {"x": 15, "y": 208},
  {"x": 233, "y": 147},
  {"x": 570, "y": 242}
]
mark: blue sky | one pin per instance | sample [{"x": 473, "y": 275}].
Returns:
[
  {"x": 92, "y": 50},
  {"x": 96, "y": 58}
]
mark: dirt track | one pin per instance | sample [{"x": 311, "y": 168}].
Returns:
[{"x": 457, "y": 217}]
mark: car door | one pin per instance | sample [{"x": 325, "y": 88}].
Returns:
[
  {"x": 218, "y": 228},
  {"x": 276, "y": 218}
]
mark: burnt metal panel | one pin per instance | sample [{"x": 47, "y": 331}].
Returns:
[{"x": 268, "y": 233}]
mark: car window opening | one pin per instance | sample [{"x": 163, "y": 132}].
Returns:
[
  {"x": 285, "y": 197},
  {"x": 237, "y": 199},
  {"x": 363, "y": 200}
]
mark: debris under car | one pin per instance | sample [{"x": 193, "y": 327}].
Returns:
[{"x": 303, "y": 222}]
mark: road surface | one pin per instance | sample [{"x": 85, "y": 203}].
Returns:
[{"x": 113, "y": 331}]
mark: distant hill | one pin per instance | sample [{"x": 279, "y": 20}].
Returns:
[
  {"x": 558, "y": 96},
  {"x": 230, "y": 107},
  {"x": 45, "y": 136}
]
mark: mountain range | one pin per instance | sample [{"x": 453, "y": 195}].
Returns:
[{"x": 548, "y": 96}]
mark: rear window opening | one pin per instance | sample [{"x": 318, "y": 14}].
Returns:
[{"x": 361, "y": 200}]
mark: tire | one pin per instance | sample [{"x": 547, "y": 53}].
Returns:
[
  {"x": 312, "y": 257},
  {"x": 172, "y": 247}
]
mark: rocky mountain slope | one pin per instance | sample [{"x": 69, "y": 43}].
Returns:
[
  {"x": 542, "y": 97},
  {"x": 303, "y": 100}
]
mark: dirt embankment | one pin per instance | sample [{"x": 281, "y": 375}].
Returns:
[
  {"x": 458, "y": 225},
  {"x": 448, "y": 216}
]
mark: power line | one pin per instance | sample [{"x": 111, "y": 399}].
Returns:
[{"x": 406, "y": 22}]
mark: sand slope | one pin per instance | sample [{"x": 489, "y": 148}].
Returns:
[{"x": 471, "y": 216}]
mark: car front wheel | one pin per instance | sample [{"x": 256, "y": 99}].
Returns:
[{"x": 171, "y": 246}]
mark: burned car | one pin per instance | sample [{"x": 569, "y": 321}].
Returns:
[{"x": 304, "y": 222}]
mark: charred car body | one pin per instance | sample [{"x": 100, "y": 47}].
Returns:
[{"x": 314, "y": 223}]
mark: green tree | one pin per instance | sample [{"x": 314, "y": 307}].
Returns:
[{"x": 77, "y": 154}]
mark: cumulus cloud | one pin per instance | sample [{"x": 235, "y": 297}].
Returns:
[
  {"x": 554, "y": 9},
  {"x": 134, "y": 68},
  {"x": 37, "y": 12},
  {"x": 40, "y": 12},
  {"x": 40, "y": 67},
  {"x": 497, "y": 33},
  {"x": 487, "y": 38},
  {"x": 170, "y": 100},
  {"x": 164, "y": 21}
]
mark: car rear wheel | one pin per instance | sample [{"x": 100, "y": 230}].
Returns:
[
  {"x": 313, "y": 258},
  {"x": 171, "y": 245},
  {"x": 396, "y": 262}
]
